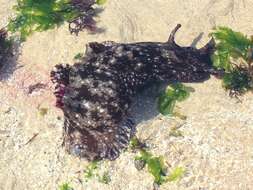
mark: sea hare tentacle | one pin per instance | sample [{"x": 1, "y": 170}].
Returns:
[
  {"x": 95, "y": 94},
  {"x": 171, "y": 39}
]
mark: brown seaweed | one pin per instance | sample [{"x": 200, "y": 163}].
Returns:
[
  {"x": 95, "y": 94},
  {"x": 85, "y": 19}
]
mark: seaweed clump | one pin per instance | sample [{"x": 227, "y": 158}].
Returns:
[
  {"x": 41, "y": 15},
  {"x": 234, "y": 54},
  {"x": 156, "y": 165},
  {"x": 92, "y": 171},
  {"x": 65, "y": 186},
  {"x": 5, "y": 46},
  {"x": 157, "y": 168}
]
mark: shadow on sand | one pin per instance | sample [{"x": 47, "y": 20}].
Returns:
[{"x": 9, "y": 65}]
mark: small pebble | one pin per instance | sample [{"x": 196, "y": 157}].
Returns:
[{"x": 139, "y": 164}]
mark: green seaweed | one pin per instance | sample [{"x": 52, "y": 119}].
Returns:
[
  {"x": 90, "y": 170},
  {"x": 155, "y": 166},
  {"x": 41, "y": 15},
  {"x": 65, "y": 186},
  {"x": 238, "y": 81},
  {"x": 78, "y": 56},
  {"x": 176, "y": 174},
  {"x": 173, "y": 93},
  {"x": 234, "y": 54},
  {"x": 100, "y": 2},
  {"x": 105, "y": 178},
  {"x": 136, "y": 144}
]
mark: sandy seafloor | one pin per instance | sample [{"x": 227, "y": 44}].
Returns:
[{"x": 217, "y": 144}]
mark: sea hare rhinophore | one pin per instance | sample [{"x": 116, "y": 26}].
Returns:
[{"x": 95, "y": 93}]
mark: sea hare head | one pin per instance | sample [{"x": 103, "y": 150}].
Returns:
[
  {"x": 199, "y": 63},
  {"x": 188, "y": 64}
]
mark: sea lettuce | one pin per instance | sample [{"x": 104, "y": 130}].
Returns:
[
  {"x": 173, "y": 93},
  {"x": 234, "y": 54}
]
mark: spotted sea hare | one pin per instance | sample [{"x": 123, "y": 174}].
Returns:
[{"x": 95, "y": 93}]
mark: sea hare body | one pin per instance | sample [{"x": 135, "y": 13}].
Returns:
[{"x": 95, "y": 93}]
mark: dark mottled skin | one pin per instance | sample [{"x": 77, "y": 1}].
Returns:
[{"x": 96, "y": 92}]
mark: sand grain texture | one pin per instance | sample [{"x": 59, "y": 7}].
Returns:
[{"x": 216, "y": 148}]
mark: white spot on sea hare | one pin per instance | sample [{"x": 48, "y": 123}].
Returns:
[
  {"x": 139, "y": 64},
  {"x": 98, "y": 71},
  {"x": 87, "y": 105},
  {"x": 156, "y": 58},
  {"x": 112, "y": 60},
  {"x": 108, "y": 73},
  {"x": 119, "y": 50},
  {"x": 130, "y": 55},
  {"x": 101, "y": 110}
]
